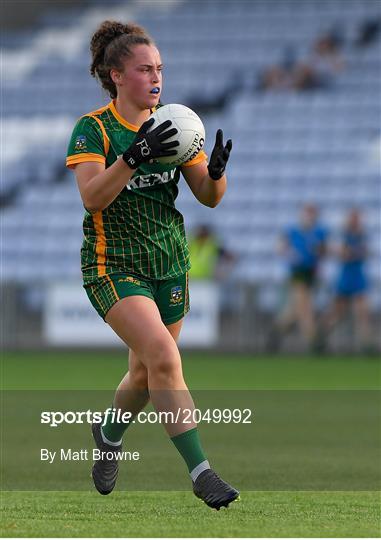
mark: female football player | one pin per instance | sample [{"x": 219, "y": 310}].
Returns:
[
  {"x": 134, "y": 256},
  {"x": 352, "y": 284}
]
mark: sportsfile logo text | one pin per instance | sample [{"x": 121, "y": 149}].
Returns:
[
  {"x": 116, "y": 416},
  {"x": 56, "y": 418}
]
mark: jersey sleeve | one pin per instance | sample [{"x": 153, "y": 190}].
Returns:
[
  {"x": 88, "y": 142},
  {"x": 201, "y": 156}
]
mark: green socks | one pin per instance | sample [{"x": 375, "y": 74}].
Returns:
[
  {"x": 113, "y": 431},
  {"x": 189, "y": 446},
  {"x": 187, "y": 443}
]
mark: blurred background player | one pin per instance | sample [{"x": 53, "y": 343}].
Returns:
[
  {"x": 303, "y": 247},
  {"x": 351, "y": 285},
  {"x": 209, "y": 259}
]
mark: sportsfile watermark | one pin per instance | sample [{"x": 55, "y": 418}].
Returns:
[
  {"x": 117, "y": 416},
  {"x": 261, "y": 440}
]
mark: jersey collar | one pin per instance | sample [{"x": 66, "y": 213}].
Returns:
[{"x": 120, "y": 118}]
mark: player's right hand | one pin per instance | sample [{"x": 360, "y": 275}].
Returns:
[{"x": 151, "y": 144}]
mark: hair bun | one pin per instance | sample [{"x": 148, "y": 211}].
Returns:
[
  {"x": 109, "y": 30},
  {"x": 135, "y": 29}
]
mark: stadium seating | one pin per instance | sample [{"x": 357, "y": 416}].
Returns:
[{"x": 289, "y": 148}]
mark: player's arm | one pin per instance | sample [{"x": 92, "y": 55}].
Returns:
[
  {"x": 206, "y": 190},
  {"x": 208, "y": 181},
  {"x": 99, "y": 186},
  {"x": 86, "y": 155}
]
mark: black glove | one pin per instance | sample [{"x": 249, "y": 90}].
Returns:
[
  {"x": 219, "y": 157},
  {"x": 147, "y": 146}
]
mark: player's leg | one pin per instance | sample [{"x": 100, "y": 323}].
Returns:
[
  {"x": 288, "y": 315},
  {"x": 175, "y": 328},
  {"x": 328, "y": 321},
  {"x": 132, "y": 393},
  {"x": 362, "y": 320},
  {"x": 283, "y": 323},
  {"x": 305, "y": 311},
  {"x": 138, "y": 322},
  {"x": 131, "y": 396},
  {"x": 336, "y": 313}
]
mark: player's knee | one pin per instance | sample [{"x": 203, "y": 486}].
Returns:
[
  {"x": 166, "y": 369},
  {"x": 139, "y": 378},
  {"x": 164, "y": 359}
]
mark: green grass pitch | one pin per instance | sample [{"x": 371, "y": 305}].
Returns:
[{"x": 178, "y": 513}]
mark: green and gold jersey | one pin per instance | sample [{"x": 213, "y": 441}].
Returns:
[{"x": 140, "y": 232}]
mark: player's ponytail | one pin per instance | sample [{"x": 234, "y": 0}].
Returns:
[{"x": 110, "y": 44}]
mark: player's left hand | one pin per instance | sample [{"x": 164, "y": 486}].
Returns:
[{"x": 220, "y": 156}]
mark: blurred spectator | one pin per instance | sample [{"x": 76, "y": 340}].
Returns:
[
  {"x": 315, "y": 71},
  {"x": 301, "y": 76},
  {"x": 320, "y": 68},
  {"x": 274, "y": 78},
  {"x": 368, "y": 32},
  {"x": 278, "y": 77},
  {"x": 352, "y": 284},
  {"x": 305, "y": 77},
  {"x": 326, "y": 59},
  {"x": 208, "y": 258},
  {"x": 303, "y": 246}
]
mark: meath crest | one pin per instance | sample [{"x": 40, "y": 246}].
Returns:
[
  {"x": 176, "y": 295},
  {"x": 80, "y": 143}
]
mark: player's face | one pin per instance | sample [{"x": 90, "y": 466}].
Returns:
[
  {"x": 354, "y": 220},
  {"x": 309, "y": 216},
  {"x": 140, "y": 82}
]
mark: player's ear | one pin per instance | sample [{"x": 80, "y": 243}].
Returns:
[{"x": 116, "y": 76}]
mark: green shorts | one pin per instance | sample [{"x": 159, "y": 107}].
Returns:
[
  {"x": 304, "y": 275},
  {"x": 170, "y": 295}
]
